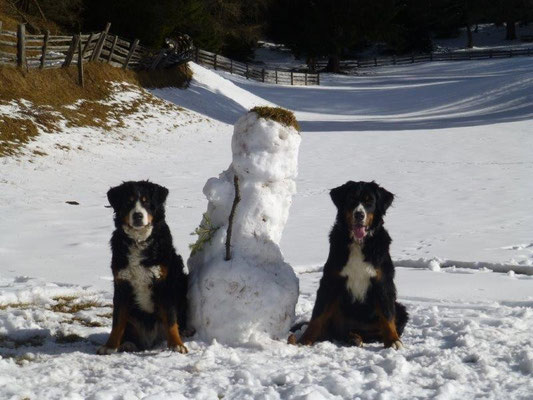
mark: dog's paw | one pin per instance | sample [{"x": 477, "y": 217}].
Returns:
[
  {"x": 104, "y": 350},
  {"x": 397, "y": 345},
  {"x": 355, "y": 340},
  {"x": 128, "y": 347},
  {"x": 292, "y": 339},
  {"x": 180, "y": 348}
]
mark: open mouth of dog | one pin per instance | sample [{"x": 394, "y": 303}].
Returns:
[{"x": 359, "y": 231}]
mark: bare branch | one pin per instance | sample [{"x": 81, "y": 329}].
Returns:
[{"x": 231, "y": 216}]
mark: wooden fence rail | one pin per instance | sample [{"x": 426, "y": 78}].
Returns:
[
  {"x": 429, "y": 57},
  {"x": 250, "y": 71},
  {"x": 55, "y": 51}
]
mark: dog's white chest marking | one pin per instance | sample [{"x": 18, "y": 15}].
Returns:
[
  {"x": 140, "y": 278},
  {"x": 358, "y": 273}
]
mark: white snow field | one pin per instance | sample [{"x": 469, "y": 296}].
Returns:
[{"x": 453, "y": 141}]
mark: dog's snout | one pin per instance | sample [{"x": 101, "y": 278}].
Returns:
[
  {"x": 359, "y": 216},
  {"x": 137, "y": 217}
]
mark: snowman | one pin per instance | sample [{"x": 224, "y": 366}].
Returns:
[{"x": 240, "y": 288}]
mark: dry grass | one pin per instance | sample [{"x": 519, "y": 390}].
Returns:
[
  {"x": 35, "y": 25},
  {"x": 59, "y": 87},
  {"x": 32, "y": 341},
  {"x": 84, "y": 322},
  {"x": 69, "y": 304},
  {"x": 178, "y": 76},
  {"x": 70, "y": 338},
  {"x": 277, "y": 114},
  {"x": 47, "y": 97},
  {"x": 21, "y": 306},
  {"x": 20, "y": 360}
]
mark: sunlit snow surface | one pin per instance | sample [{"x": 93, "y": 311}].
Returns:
[{"x": 452, "y": 141}]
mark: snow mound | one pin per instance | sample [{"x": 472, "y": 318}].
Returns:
[
  {"x": 212, "y": 95},
  {"x": 255, "y": 293}
]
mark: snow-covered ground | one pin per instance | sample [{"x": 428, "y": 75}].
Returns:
[
  {"x": 488, "y": 36},
  {"x": 277, "y": 56},
  {"x": 452, "y": 141}
]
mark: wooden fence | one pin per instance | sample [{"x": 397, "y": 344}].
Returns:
[
  {"x": 249, "y": 71},
  {"x": 418, "y": 58},
  {"x": 48, "y": 51}
]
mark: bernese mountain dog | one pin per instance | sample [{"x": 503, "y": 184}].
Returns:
[
  {"x": 356, "y": 299},
  {"x": 150, "y": 286}
]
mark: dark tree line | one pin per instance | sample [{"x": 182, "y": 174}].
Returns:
[
  {"x": 337, "y": 28},
  {"x": 311, "y": 28}
]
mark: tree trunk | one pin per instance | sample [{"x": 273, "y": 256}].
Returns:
[
  {"x": 311, "y": 63},
  {"x": 510, "y": 30},
  {"x": 470, "y": 39},
  {"x": 334, "y": 64}
]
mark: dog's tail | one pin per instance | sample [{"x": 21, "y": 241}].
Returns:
[
  {"x": 298, "y": 326},
  {"x": 402, "y": 316}
]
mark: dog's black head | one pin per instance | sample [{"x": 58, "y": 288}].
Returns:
[
  {"x": 361, "y": 207},
  {"x": 138, "y": 206}
]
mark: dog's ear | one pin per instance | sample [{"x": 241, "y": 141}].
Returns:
[
  {"x": 115, "y": 196},
  {"x": 385, "y": 199},
  {"x": 159, "y": 193},
  {"x": 338, "y": 195}
]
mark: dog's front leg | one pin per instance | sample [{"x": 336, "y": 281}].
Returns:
[
  {"x": 120, "y": 320},
  {"x": 169, "y": 318},
  {"x": 322, "y": 315},
  {"x": 387, "y": 325}
]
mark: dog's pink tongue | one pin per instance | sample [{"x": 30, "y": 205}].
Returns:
[{"x": 359, "y": 232}]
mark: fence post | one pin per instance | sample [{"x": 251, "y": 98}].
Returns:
[
  {"x": 130, "y": 53},
  {"x": 246, "y": 71},
  {"x": 292, "y": 78},
  {"x": 263, "y": 74},
  {"x": 80, "y": 63},
  {"x": 44, "y": 49},
  {"x": 112, "y": 49},
  {"x": 71, "y": 51},
  {"x": 318, "y": 78},
  {"x": 305, "y": 79},
  {"x": 100, "y": 44},
  {"x": 276, "y": 76},
  {"x": 158, "y": 59},
  {"x": 215, "y": 62},
  {"x": 0, "y": 26},
  {"x": 89, "y": 40},
  {"x": 21, "y": 45},
  {"x": 231, "y": 66}
]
